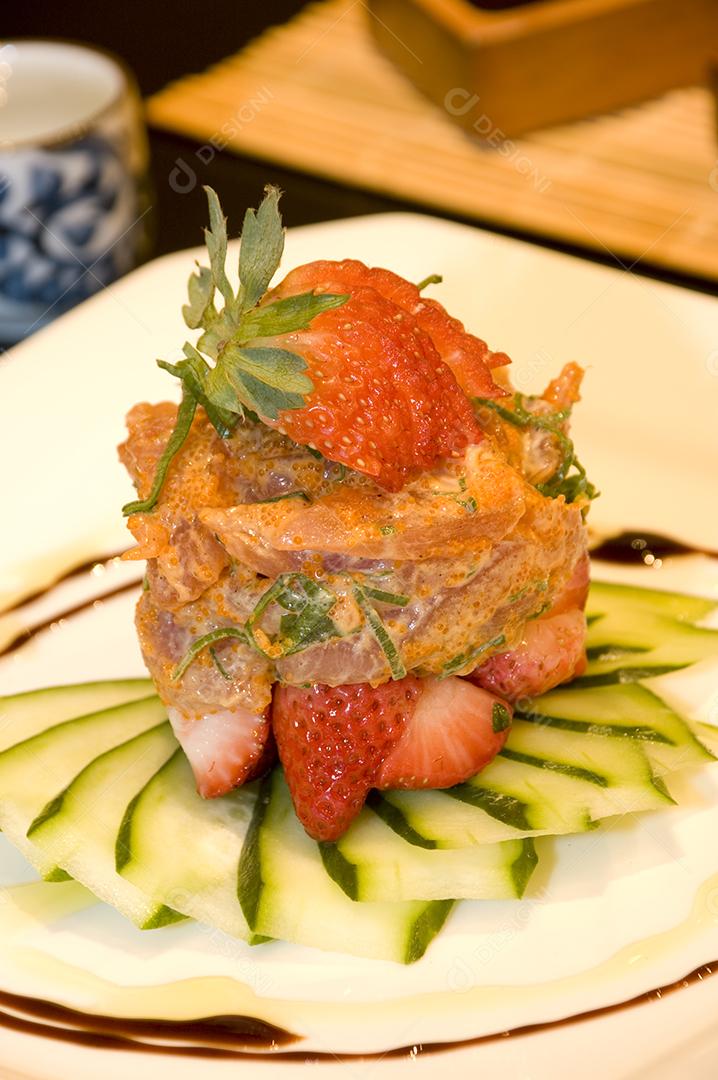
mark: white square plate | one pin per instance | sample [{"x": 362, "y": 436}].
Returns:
[{"x": 648, "y": 434}]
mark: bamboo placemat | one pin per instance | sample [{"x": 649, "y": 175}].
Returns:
[{"x": 315, "y": 95}]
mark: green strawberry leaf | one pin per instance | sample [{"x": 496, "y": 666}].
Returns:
[
  {"x": 215, "y": 238},
  {"x": 243, "y": 382},
  {"x": 261, "y": 251},
  {"x": 276, "y": 368},
  {"x": 194, "y": 371},
  {"x": 200, "y": 289},
  {"x": 264, "y": 380},
  {"x": 219, "y": 332},
  {"x": 287, "y": 315},
  {"x": 266, "y": 400}
]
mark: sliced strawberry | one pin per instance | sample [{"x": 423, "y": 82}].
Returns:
[
  {"x": 224, "y": 748},
  {"x": 552, "y": 650},
  {"x": 384, "y": 403},
  {"x": 332, "y": 742},
  {"x": 468, "y": 356},
  {"x": 455, "y": 730}
]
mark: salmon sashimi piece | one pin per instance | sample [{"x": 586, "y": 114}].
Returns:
[{"x": 438, "y": 515}]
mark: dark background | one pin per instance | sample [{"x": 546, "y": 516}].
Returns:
[{"x": 162, "y": 40}]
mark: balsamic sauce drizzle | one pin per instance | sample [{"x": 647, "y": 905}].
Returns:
[
  {"x": 28, "y": 633},
  {"x": 251, "y": 1039},
  {"x": 79, "y": 570},
  {"x": 638, "y": 546},
  {"x": 247, "y": 1037}
]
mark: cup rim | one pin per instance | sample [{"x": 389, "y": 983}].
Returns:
[{"x": 70, "y": 133}]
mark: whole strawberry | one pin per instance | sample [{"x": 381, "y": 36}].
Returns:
[{"x": 332, "y": 742}]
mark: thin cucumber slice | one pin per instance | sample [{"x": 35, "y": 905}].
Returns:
[
  {"x": 625, "y": 712},
  {"x": 286, "y": 892},
  {"x": 624, "y": 601},
  {"x": 35, "y": 771},
  {"x": 615, "y": 775},
  {"x": 637, "y": 633},
  {"x": 78, "y": 828},
  {"x": 508, "y": 801},
  {"x": 372, "y": 862},
  {"x": 547, "y": 781},
  {"x": 24, "y": 715},
  {"x": 184, "y": 850}
]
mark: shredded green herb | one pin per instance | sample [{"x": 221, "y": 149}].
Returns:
[
  {"x": 536, "y": 586},
  {"x": 500, "y": 717},
  {"x": 230, "y": 376},
  {"x": 307, "y": 621},
  {"x": 541, "y": 611},
  {"x": 395, "y": 599},
  {"x": 185, "y": 416},
  {"x": 203, "y": 642},
  {"x": 218, "y": 664},
  {"x": 571, "y": 486},
  {"x": 387, "y": 530},
  {"x": 380, "y": 632},
  {"x": 287, "y": 495},
  {"x": 462, "y": 660}
]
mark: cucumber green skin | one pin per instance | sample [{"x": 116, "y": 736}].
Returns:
[
  {"x": 627, "y": 712},
  {"x": 549, "y": 780},
  {"x": 551, "y": 783},
  {"x": 501, "y": 803},
  {"x": 371, "y": 862},
  {"x": 625, "y": 601},
  {"x": 36, "y": 771},
  {"x": 244, "y": 864},
  {"x": 184, "y": 850},
  {"x": 24, "y": 715},
  {"x": 278, "y": 856},
  {"x": 78, "y": 828},
  {"x": 637, "y": 633}
]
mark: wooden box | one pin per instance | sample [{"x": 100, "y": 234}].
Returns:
[{"x": 501, "y": 67}]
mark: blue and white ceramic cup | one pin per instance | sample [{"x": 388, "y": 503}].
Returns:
[{"x": 73, "y": 190}]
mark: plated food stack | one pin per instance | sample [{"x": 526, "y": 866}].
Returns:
[{"x": 363, "y": 547}]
